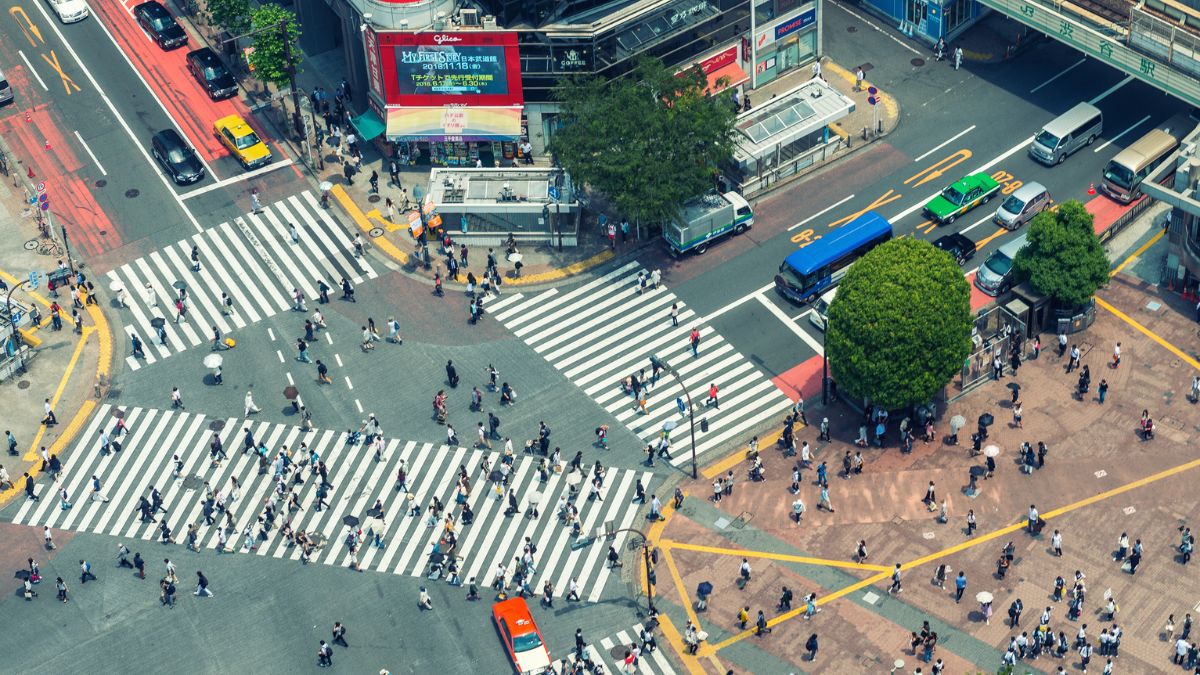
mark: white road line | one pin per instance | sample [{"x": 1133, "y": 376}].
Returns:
[
  {"x": 1110, "y": 90},
  {"x": 893, "y": 38},
  {"x": 91, "y": 154},
  {"x": 981, "y": 221},
  {"x": 328, "y": 337},
  {"x": 290, "y": 380},
  {"x": 1128, "y": 129},
  {"x": 32, "y": 70},
  {"x": 358, "y": 404},
  {"x": 271, "y": 334},
  {"x": 349, "y": 384},
  {"x": 1068, "y": 69},
  {"x": 816, "y": 346},
  {"x": 280, "y": 355},
  {"x": 113, "y": 109},
  {"x": 236, "y": 179},
  {"x": 338, "y": 358},
  {"x": 948, "y": 141},
  {"x": 823, "y": 211},
  {"x": 736, "y": 303}
]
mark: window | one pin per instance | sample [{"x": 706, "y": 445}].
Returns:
[{"x": 956, "y": 13}]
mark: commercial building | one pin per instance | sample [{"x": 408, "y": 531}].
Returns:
[{"x": 471, "y": 82}]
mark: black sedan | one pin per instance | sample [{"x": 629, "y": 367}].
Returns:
[
  {"x": 160, "y": 25},
  {"x": 206, "y": 67},
  {"x": 957, "y": 245},
  {"x": 176, "y": 157}
]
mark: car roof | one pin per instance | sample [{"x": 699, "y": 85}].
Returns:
[
  {"x": 516, "y": 615},
  {"x": 205, "y": 55},
  {"x": 235, "y": 121},
  {"x": 1029, "y": 191},
  {"x": 953, "y": 239}
]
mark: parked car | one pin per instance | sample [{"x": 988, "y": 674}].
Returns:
[
  {"x": 1021, "y": 206},
  {"x": 160, "y": 25},
  {"x": 240, "y": 139},
  {"x": 211, "y": 73},
  {"x": 70, "y": 11},
  {"x": 961, "y": 196},
  {"x": 957, "y": 245},
  {"x": 176, "y": 157},
  {"x": 521, "y": 636}
]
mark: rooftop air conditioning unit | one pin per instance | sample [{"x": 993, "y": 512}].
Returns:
[
  {"x": 489, "y": 22},
  {"x": 469, "y": 17}
]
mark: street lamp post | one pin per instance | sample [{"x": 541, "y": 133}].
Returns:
[
  {"x": 654, "y": 360},
  {"x": 651, "y": 577}
]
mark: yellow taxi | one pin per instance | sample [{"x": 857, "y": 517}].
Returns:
[{"x": 242, "y": 141}]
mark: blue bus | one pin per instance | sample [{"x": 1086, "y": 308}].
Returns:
[{"x": 807, "y": 273}]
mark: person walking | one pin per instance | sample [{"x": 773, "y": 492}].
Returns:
[
  {"x": 424, "y": 602},
  {"x": 811, "y": 644},
  {"x": 249, "y": 404},
  {"x": 202, "y": 590},
  {"x": 1102, "y": 390},
  {"x": 324, "y": 655},
  {"x": 176, "y": 398},
  {"x": 960, "y": 585},
  {"x": 694, "y": 340},
  {"x": 85, "y": 572},
  {"x": 339, "y": 634},
  {"x": 896, "y": 586}
]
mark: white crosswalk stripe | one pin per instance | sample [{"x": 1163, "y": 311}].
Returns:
[
  {"x": 610, "y": 653},
  {"x": 253, "y": 259},
  {"x": 605, "y": 330},
  {"x": 146, "y": 461}
]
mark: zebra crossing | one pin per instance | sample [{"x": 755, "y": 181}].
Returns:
[
  {"x": 609, "y": 653},
  {"x": 605, "y": 330},
  {"x": 253, "y": 259},
  {"x": 155, "y": 437}
]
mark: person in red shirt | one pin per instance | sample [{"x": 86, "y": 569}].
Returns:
[
  {"x": 694, "y": 338},
  {"x": 712, "y": 396}
]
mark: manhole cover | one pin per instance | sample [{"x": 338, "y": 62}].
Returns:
[
  {"x": 132, "y": 193},
  {"x": 31, "y": 244},
  {"x": 103, "y": 232},
  {"x": 216, "y": 425},
  {"x": 375, "y": 232},
  {"x": 373, "y": 198},
  {"x": 917, "y": 62},
  {"x": 852, "y": 29},
  {"x": 192, "y": 482},
  {"x": 101, "y": 183},
  {"x": 23, "y": 384}
]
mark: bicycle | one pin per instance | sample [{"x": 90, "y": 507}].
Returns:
[{"x": 51, "y": 248}]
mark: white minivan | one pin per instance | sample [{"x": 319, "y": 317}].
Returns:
[
  {"x": 1067, "y": 133},
  {"x": 820, "y": 314}
]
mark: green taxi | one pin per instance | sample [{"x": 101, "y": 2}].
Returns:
[{"x": 961, "y": 196}]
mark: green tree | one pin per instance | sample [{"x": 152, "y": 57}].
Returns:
[
  {"x": 232, "y": 15},
  {"x": 900, "y": 325},
  {"x": 649, "y": 141},
  {"x": 1064, "y": 258},
  {"x": 269, "y": 46}
]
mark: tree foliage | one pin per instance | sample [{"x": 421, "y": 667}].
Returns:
[
  {"x": 232, "y": 15},
  {"x": 649, "y": 141},
  {"x": 900, "y": 326},
  {"x": 1064, "y": 258},
  {"x": 268, "y": 55}
]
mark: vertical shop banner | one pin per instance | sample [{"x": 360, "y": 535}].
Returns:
[{"x": 374, "y": 72}]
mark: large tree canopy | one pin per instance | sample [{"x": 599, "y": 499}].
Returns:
[
  {"x": 1064, "y": 258},
  {"x": 269, "y": 46},
  {"x": 649, "y": 141},
  {"x": 900, "y": 325}
]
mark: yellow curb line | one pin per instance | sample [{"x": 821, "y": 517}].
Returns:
[
  {"x": 562, "y": 272},
  {"x": 60, "y": 444},
  {"x": 676, "y": 641},
  {"x": 738, "y": 456},
  {"x": 1141, "y": 250},
  {"x": 782, "y": 557},
  {"x": 360, "y": 219},
  {"x": 62, "y": 386},
  {"x": 1150, "y": 334}
]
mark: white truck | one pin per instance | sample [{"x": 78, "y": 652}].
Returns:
[{"x": 706, "y": 219}]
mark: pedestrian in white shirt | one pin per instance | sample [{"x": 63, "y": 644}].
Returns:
[{"x": 250, "y": 407}]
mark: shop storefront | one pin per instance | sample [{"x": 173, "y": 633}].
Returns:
[
  {"x": 722, "y": 69},
  {"x": 448, "y": 98},
  {"x": 928, "y": 20},
  {"x": 784, "y": 44}
]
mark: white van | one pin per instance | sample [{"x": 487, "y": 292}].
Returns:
[
  {"x": 996, "y": 273},
  {"x": 6, "y": 94},
  {"x": 1067, "y": 133},
  {"x": 820, "y": 314}
]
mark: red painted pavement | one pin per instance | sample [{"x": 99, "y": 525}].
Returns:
[
  {"x": 1106, "y": 211},
  {"x": 167, "y": 75},
  {"x": 65, "y": 169},
  {"x": 803, "y": 378}
]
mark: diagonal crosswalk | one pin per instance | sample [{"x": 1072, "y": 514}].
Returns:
[
  {"x": 605, "y": 330},
  {"x": 147, "y": 461},
  {"x": 252, "y": 259}
]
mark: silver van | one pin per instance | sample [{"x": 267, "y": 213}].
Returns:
[
  {"x": 1069, "y": 132},
  {"x": 6, "y": 94},
  {"x": 995, "y": 275},
  {"x": 1021, "y": 206}
]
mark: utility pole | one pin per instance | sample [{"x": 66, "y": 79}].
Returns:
[{"x": 291, "y": 71}]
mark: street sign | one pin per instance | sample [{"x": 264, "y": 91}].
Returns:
[
  {"x": 872, "y": 100},
  {"x": 41, "y": 187},
  {"x": 35, "y": 278},
  {"x": 553, "y": 192},
  {"x": 681, "y": 405},
  {"x": 872, "y": 91}
]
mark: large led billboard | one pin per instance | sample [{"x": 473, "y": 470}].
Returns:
[{"x": 474, "y": 68}]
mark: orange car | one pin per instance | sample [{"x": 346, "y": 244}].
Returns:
[{"x": 521, "y": 636}]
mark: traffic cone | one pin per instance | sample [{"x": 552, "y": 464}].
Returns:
[
  {"x": 1091, "y": 186},
  {"x": 30, "y": 172},
  {"x": 47, "y": 143}
]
